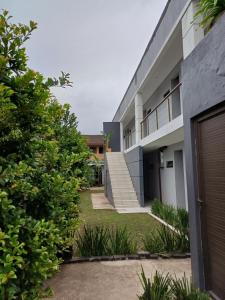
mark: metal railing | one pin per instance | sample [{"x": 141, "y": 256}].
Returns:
[{"x": 160, "y": 115}]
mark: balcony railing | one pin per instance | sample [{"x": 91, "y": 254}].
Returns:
[{"x": 163, "y": 113}]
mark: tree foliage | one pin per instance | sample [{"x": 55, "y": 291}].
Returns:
[
  {"x": 43, "y": 163},
  {"x": 209, "y": 10}
]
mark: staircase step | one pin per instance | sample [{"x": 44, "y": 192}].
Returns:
[{"x": 124, "y": 195}]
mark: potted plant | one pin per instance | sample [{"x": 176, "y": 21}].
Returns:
[{"x": 107, "y": 137}]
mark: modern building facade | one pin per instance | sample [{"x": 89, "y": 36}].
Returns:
[
  {"x": 151, "y": 112},
  {"x": 172, "y": 133}
]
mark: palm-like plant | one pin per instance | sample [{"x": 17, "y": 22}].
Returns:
[
  {"x": 166, "y": 287},
  {"x": 158, "y": 289},
  {"x": 209, "y": 10},
  {"x": 183, "y": 289}
]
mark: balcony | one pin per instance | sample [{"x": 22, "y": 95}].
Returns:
[{"x": 166, "y": 111}]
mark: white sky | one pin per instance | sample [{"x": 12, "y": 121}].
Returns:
[{"x": 99, "y": 42}]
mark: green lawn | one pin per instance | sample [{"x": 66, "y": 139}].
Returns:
[{"x": 137, "y": 224}]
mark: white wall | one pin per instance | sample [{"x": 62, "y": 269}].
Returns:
[
  {"x": 168, "y": 178},
  {"x": 192, "y": 33}
]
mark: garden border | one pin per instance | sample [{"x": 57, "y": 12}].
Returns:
[
  {"x": 140, "y": 255},
  {"x": 162, "y": 221}
]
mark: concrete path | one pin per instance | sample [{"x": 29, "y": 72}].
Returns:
[
  {"x": 110, "y": 280},
  {"x": 99, "y": 201},
  {"x": 133, "y": 210}
]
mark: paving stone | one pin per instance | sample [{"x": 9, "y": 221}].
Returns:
[
  {"x": 94, "y": 258},
  {"x": 107, "y": 258},
  {"x": 179, "y": 255},
  {"x": 133, "y": 256},
  {"x": 154, "y": 256},
  {"x": 165, "y": 255},
  {"x": 76, "y": 260},
  {"x": 119, "y": 257},
  {"x": 143, "y": 254}
]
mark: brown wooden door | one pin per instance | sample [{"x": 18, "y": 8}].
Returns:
[{"x": 211, "y": 181}]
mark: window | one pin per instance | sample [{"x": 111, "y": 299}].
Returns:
[
  {"x": 100, "y": 149},
  {"x": 169, "y": 164},
  {"x": 93, "y": 149}
]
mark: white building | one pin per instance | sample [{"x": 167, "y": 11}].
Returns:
[{"x": 151, "y": 115}]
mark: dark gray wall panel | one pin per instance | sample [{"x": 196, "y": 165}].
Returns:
[
  {"x": 114, "y": 129},
  {"x": 107, "y": 185},
  {"x": 203, "y": 86},
  {"x": 151, "y": 175},
  {"x": 134, "y": 160}
]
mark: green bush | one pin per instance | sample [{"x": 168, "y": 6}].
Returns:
[
  {"x": 101, "y": 240},
  {"x": 43, "y": 163},
  {"x": 153, "y": 243},
  {"x": 158, "y": 289},
  {"x": 164, "y": 240},
  {"x": 183, "y": 289},
  {"x": 178, "y": 218},
  {"x": 165, "y": 287},
  {"x": 209, "y": 10},
  {"x": 164, "y": 211},
  {"x": 93, "y": 241},
  {"x": 121, "y": 242}
]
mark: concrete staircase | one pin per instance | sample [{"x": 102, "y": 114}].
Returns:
[{"x": 124, "y": 195}]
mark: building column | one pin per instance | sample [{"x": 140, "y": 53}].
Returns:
[
  {"x": 138, "y": 117},
  {"x": 192, "y": 33}
]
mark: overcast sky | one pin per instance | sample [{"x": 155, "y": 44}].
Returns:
[{"x": 99, "y": 42}]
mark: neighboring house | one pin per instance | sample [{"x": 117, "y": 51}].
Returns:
[
  {"x": 171, "y": 123},
  {"x": 96, "y": 145}
]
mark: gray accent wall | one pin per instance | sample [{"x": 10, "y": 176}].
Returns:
[
  {"x": 203, "y": 87},
  {"x": 107, "y": 183},
  {"x": 114, "y": 129},
  {"x": 134, "y": 160},
  {"x": 166, "y": 23},
  {"x": 151, "y": 169}
]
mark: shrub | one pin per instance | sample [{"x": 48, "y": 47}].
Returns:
[
  {"x": 93, "y": 241},
  {"x": 158, "y": 289},
  {"x": 183, "y": 289},
  {"x": 178, "y": 218},
  {"x": 169, "y": 239},
  {"x": 100, "y": 240},
  {"x": 153, "y": 243},
  {"x": 164, "y": 211},
  {"x": 43, "y": 163},
  {"x": 28, "y": 250},
  {"x": 209, "y": 10},
  {"x": 164, "y": 287},
  {"x": 164, "y": 240},
  {"x": 121, "y": 242}
]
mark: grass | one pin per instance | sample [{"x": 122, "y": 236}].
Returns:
[{"x": 137, "y": 224}]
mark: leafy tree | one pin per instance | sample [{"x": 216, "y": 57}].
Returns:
[{"x": 43, "y": 164}]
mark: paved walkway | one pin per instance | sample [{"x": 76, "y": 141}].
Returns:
[
  {"x": 99, "y": 201},
  {"x": 116, "y": 280}
]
